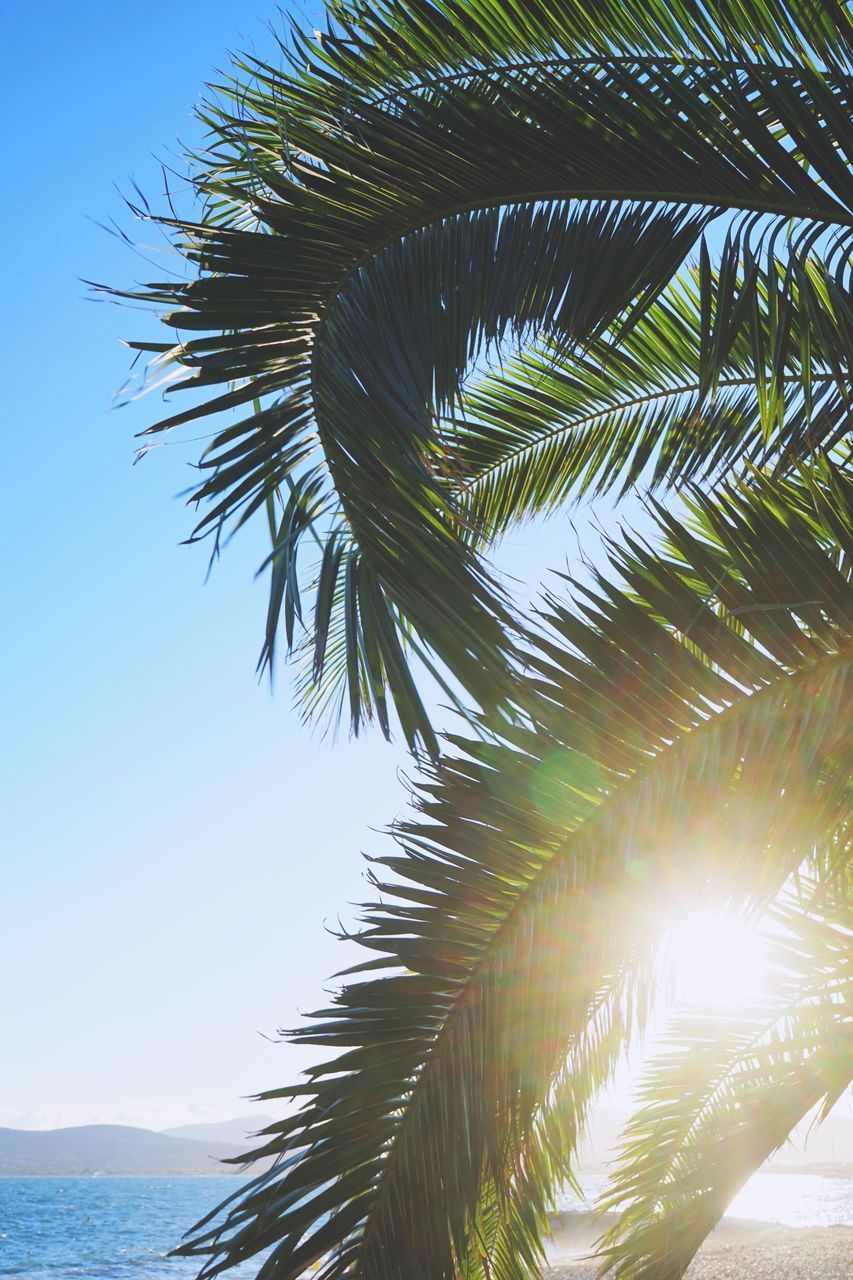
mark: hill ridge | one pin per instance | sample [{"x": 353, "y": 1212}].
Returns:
[{"x": 78, "y": 1150}]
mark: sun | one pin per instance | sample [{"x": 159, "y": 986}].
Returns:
[{"x": 718, "y": 960}]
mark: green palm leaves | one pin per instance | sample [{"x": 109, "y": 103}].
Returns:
[
  {"x": 430, "y": 184},
  {"x": 746, "y": 364}
]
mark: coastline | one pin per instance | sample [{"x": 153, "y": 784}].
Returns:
[{"x": 738, "y": 1249}]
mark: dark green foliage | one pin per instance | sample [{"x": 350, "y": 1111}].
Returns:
[{"x": 426, "y": 183}]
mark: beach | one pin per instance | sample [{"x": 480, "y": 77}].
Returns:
[{"x": 737, "y": 1250}]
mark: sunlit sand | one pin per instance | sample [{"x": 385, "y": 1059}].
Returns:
[{"x": 738, "y": 1250}]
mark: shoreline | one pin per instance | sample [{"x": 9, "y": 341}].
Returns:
[{"x": 737, "y": 1249}]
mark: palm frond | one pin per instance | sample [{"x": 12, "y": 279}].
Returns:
[
  {"x": 394, "y": 355},
  {"x": 748, "y": 362},
  {"x": 690, "y": 727},
  {"x": 321, "y": 197},
  {"x": 729, "y": 1088},
  {"x": 505, "y": 1237}
]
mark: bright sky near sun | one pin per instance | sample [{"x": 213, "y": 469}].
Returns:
[{"x": 173, "y": 839}]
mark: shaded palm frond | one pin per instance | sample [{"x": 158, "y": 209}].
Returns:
[
  {"x": 319, "y": 201},
  {"x": 404, "y": 353},
  {"x": 358, "y": 651},
  {"x": 689, "y": 728},
  {"x": 395, "y": 351},
  {"x": 729, "y": 1088},
  {"x": 399, "y": 343}
]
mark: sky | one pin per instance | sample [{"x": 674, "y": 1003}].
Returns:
[{"x": 174, "y": 841}]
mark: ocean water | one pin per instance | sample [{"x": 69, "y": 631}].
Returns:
[
  {"x": 104, "y": 1228},
  {"x": 110, "y": 1228}
]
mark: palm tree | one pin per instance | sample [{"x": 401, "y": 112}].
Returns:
[{"x": 461, "y": 262}]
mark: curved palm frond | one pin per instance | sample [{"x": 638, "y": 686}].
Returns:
[
  {"x": 326, "y": 189},
  {"x": 359, "y": 646},
  {"x": 688, "y": 728},
  {"x": 395, "y": 355},
  {"x": 747, "y": 362},
  {"x": 729, "y": 1089}
]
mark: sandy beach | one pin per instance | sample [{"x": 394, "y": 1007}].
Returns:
[{"x": 737, "y": 1250}]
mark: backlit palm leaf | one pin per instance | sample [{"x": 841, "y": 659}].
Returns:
[
  {"x": 754, "y": 366},
  {"x": 401, "y": 45},
  {"x": 690, "y": 729},
  {"x": 730, "y": 1089}
]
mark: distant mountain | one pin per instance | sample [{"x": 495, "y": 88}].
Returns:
[
  {"x": 237, "y": 1131},
  {"x": 109, "y": 1148},
  {"x": 199, "y": 1148}
]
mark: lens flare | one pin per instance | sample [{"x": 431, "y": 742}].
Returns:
[{"x": 718, "y": 960}]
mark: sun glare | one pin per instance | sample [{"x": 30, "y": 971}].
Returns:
[{"x": 717, "y": 960}]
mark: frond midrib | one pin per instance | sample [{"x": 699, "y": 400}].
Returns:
[
  {"x": 629, "y": 402},
  {"x": 592, "y": 59}
]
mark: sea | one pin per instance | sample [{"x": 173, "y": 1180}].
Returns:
[{"x": 122, "y": 1228}]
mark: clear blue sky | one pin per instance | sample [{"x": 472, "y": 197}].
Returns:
[{"x": 172, "y": 838}]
